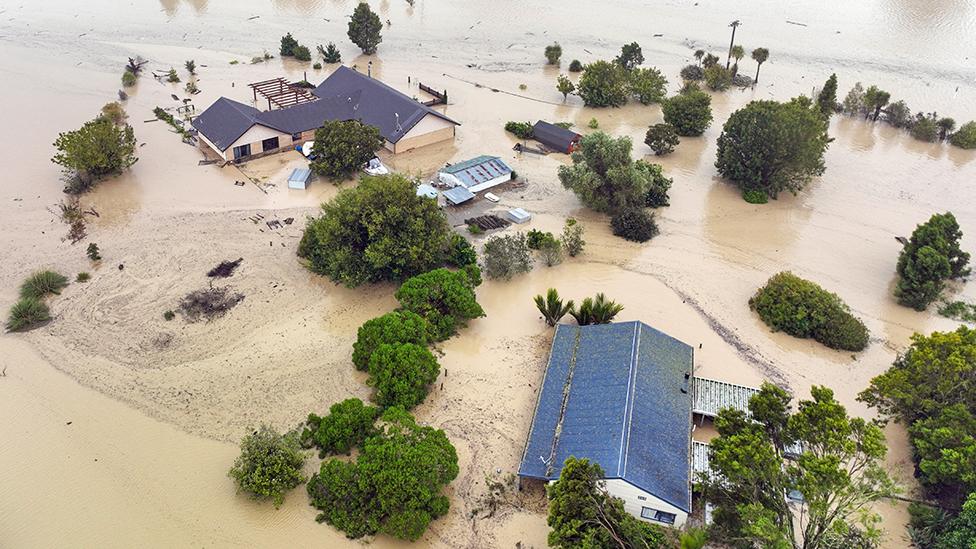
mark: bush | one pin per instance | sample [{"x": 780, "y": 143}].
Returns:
[
  {"x": 658, "y": 185},
  {"x": 98, "y": 149},
  {"x": 925, "y": 129},
  {"x": 803, "y": 309},
  {"x": 690, "y": 113},
  {"x": 661, "y": 138},
  {"x": 575, "y": 66},
  {"x": 444, "y": 298},
  {"x": 635, "y": 225},
  {"x": 755, "y": 196},
  {"x": 535, "y": 238},
  {"x": 958, "y": 310},
  {"x": 648, "y": 85},
  {"x": 390, "y": 329},
  {"x": 317, "y": 65},
  {"x": 93, "y": 252},
  {"x": 330, "y": 54},
  {"x": 364, "y": 29},
  {"x": 169, "y": 315},
  {"x": 593, "y": 124},
  {"x": 692, "y": 73},
  {"x": 898, "y": 115},
  {"x": 378, "y": 231},
  {"x": 82, "y": 277},
  {"x": 551, "y": 250},
  {"x": 171, "y": 76},
  {"x": 401, "y": 373},
  {"x": 572, "y": 237},
  {"x": 522, "y": 130},
  {"x": 302, "y": 53},
  {"x": 460, "y": 252},
  {"x": 42, "y": 283},
  {"x": 717, "y": 78},
  {"x": 931, "y": 257},
  {"x": 965, "y": 137},
  {"x": 27, "y": 312},
  {"x": 269, "y": 465},
  {"x": 288, "y": 45},
  {"x": 506, "y": 256},
  {"x": 348, "y": 424},
  {"x": 128, "y": 78},
  {"x": 603, "y": 84},
  {"x": 553, "y": 53},
  {"x": 343, "y": 147}
]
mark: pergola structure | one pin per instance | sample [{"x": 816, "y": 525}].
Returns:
[{"x": 280, "y": 93}]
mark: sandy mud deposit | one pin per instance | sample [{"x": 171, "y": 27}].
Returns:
[{"x": 138, "y": 417}]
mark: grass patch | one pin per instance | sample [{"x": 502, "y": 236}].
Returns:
[
  {"x": 27, "y": 312},
  {"x": 83, "y": 277},
  {"x": 43, "y": 283},
  {"x": 958, "y": 310}
]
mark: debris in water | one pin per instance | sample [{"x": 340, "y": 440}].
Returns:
[
  {"x": 209, "y": 303},
  {"x": 225, "y": 268}
]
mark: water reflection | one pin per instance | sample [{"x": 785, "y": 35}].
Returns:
[{"x": 171, "y": 7}]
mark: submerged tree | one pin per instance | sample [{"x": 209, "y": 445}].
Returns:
[
  {"x": 553, "y": 53},
  {"x": 552, "y": 307},
  {"x": 270, "y": 464},
  {"x": 364, "y": 29},
  {"x": 603, "y": 84},
  {"x": 288, "y": 45},
  {"x": 827, "y": 99},
  {"x": 648, "y": 85},
  {"x": 630, "y": 56},
  {"x": 444, "y": 298},
  {"x": 564, "y": 86},
  {"x": 572, "y": 237},
  {"x": 734, "y": 24},
  {"x": 330, "y": 53},
  {"x": 506, "y": 256},
  {"x": 854, "y": 101},
  {"x": 931, "y": 257},
  {"x": 874, "y": 100},
  {"x": 98, "y": 149},
  {"x": 759, "y": 55},
  {"x": 690, "y": 113},
  {"x": 661, "y": 138}
]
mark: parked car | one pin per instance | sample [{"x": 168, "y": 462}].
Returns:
[{"x": 375, "y": 167}]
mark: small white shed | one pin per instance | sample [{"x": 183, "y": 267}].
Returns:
[
  {"x": 299, "y": 178},
  {"x": 518, "y": 215}
]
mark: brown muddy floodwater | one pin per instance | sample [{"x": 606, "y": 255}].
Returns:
[{"x": 118, "y": 427}]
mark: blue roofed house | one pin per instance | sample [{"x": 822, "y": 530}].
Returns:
[
  {"x": 476, "y": 174},
  {"x": 619, "y": 395}
]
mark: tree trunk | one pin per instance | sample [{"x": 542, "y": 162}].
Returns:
[
  {"x": 877, "y": 112},
  {"x": 728, "y": 60},
  {"x": 758, "y": 66}
]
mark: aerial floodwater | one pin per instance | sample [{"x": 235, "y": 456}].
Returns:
[{"x": 119, "y": 423}]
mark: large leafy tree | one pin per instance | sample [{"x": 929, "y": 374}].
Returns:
[
  {"x": 506, "y": 256},
  {"x": 364, "y": 29},
  {"x": 582, "y": 514},
  {"x": 827, "y": 98},
  {"x": 630, "y": 56},
  {"x": 648, "y": 85},
  {"x": 270, "y": 464},
  {"x": 443, "y": 297},
  {"x": 838, "y": 472},
  {"x": 603, "y": 84},
  {"x": 348, "y": 424},
  {"x": 772, "y": 147},
  {"x": 931, "y": 257},
  {"x": 605, "y": 177},
  {"x": 400, "y": 374},
  {"x": 690, "y": 113},
  {"x": 341, "y": 148},
  {"x": 394, "y": 485},
  {"x": 392, "y": 328},
  {"x": 874, "y": 100},
  {"x": 101, "y": 147},
  {"x": 380, "y": 230}
]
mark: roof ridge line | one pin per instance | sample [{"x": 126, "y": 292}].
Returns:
[
  {"x": 567, "y": 386},
  {"x": 629, "y": 405}
]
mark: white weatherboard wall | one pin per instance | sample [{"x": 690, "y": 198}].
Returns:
[
  {"x": 633, "y": 504},
  {"x": 255, "y": 135}
]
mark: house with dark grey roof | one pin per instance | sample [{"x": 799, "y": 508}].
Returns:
[
  {"x": 556, "y": 137},
  {"x": 236, "y": 131},
  {"x": 619, "y": 395}
]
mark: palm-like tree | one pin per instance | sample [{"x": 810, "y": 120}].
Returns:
[
  {"x": 738, "y": 52},
  {"x": 945, "y": 125},
  {"x": 734, "y": 24},
  {"x": 596, "y": 310},
  {"x": 552, "y": 307},
  {"x": 699, "y": 54},
  {"x": 759, "y": 55}
]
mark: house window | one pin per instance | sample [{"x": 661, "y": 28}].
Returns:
[
  {"x": 296, "y": 136},
  {"x": 658, "y": 516},
  {"x": 269, "y": 144},
  {"x": 642, "y": 498},
  {"x": 242, "y": 151}
]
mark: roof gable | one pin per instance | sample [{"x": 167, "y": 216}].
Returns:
[{"x": 225, "y": 121}]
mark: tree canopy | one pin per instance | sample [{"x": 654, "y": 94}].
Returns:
[
  {"x": 931, "y": 257},
  {"x": 827, "y": 98},
  {"x": 392, "y": 328},
  {"x": 837, "y": 474},
  {"x": 99, "y": 148},
  {"x": 965, "y": 136},
  {"x": 648, "y": 85},
  {"x": 348, "y": 424},
  {"x": 342, "y": 147},
  {"x": 270, "y": 464},
  {"x": 400, "y": 373},
  {"x": 506, "y": 256},
  {"x": 364, "y": 29},
  {"x": 443, "y": 297},
  {"x": 772, "y": 147},
  {"x": 393, "y": 487},
  {"x": 690, "y": 113},
  {"x": 603, "y": 84},
  {"x": 378, "y": 231},
  {"x": 553, "y": 53},
  {"x": 661, "y": 138},
  {"x": 630, "y": 56}
]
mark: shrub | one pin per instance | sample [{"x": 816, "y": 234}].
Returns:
[
  {"x": 535, "y": 238},
  {"x": 658, "y": 185},
  {"x": 191, "y": 66},
  {"x": 171, "y": 76},
  {"x": 288, "y": 45},
  {"x": 931, "y": 257},
  {"x": 603, "y": 84},
  {"x": 390, "y": 329},
  {"x": 169, "y": 315},
  {"x": 755, "y": 196},
  {"x": 460, "y": 252},
  {"x": 593, "y": 124},
  {"x": 965, "y": 137},
  {"x": 317, "y": 65},
  {"x": 551, "y": 307},
  {"x": 506, "y": 256},
  {"x": 648, "y": 85},
  {"x": 553, "y": 53},
  {"x": 690, "y": 113},
  {"x": 42, "y": 283},
  {"x": 475, "y": 229},
  {"x": 575, "y": 66},
  {"x": 572, "y": 237},
  {"x": 98, "y": 149},
  {"x": 330, "y": 54},
  {"x": 82, "y": 277},
  {"x": 302, "y": 53},
  {"x": 898, "y": 115},
  {"x": 401, "y": 373},
  {"x": 270, "y": 464},
  {"x": 596, "y": 310},
  {"x": 661, "y": 138},
  {"x": 803, "y": 309},
  {"x": 551, "y": 250},
  {"x": 717, "y": 78},
  {"x": 925, "y": 129},
  {"x": 444, "y": 298},
  {"x": 27, "y": 312},
  {"x": 348, "y": 424},
  {"x": 958, "y": 310},
  {"x": 378, "y": 231},
  {"x": 128, "y": 78},
  {"x": 522, "y": 130},
  {"x": 209, "y": 303},
  {"x": 635, "y": 225},
  {"x": 692, "y": 73}
]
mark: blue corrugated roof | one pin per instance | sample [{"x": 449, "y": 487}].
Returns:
[
  {"x": 478, "y": 170},
  {"x": 300, "y": 174},
  {"x": 457, "y": 195},
  {"x": 618, "y": 395}
]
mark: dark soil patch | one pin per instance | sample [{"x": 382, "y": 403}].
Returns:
[{"x": 209, "y": 303}]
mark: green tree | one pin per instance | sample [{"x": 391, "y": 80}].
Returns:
[
  {"x": 364, "y": 29},
  {"x": 960, "y": 532},
  {"x": 582, "y": 514},
  {"x": 854, "y": 101},
  {"x": 552, "y": 307},
  {"x": 401, "y": 373},
  {"x": 596, "y": 310},
  {"x": 393, "y": 487},
  {"x": 692, "y": 73},
  {"x": 661, "y": 138},
  {"x": 191, "y": 66},
  {"x": 965, "y": 137},
  {"x": 302, "y": 53},
  {"x": 898, "y": 115},
  {"x": 772, "y": 147},
  {"x": 572, "y": 237},
  {"x": 348, "y": 424},
  {"x": 698, "y": 55},
  {"x": 657, "y": 190},
  {"x": 648, "y": 85},
  {"x": 330, "y": 53},
  {"x": 738, "y": 52},
  {"x": 445, "y": 298},
  {"x": 718, "y": 78},
  {"x": 603, "y": 84},
  {"x": 803, "y": 309},
  {"x": 342, "y": 147},
  {"x": 565, "y": 86},
  {"x": 522, "y": 130},
  {"x": 839, "y": 471},
  {"x": 931, "y": 257},
  {"x": 874, "y": 100},
  {"x": 98, "y": 149},
  {"x": 946, "y": 125},
  {"x": 378, "y": 231},
  {"x": 553, "y": 53},
  {"x": 827, "y": 99},
  {"x": 506, "y": 256},
  {"x": 288, "y": 45},
  {"x": 575, "y": 66},
  {"x": 270, "y": 464},
  {"x": 925, "y": 129},
  {"x": 460, "y": 252},
  {"x": 630, "y": 56},
  {"x": 390, "y": 329},
  {"x": 944, "y": 446},
  {"x": 760, "y": 55},
  {"x": 689, "y": 113},
  {"x": 634, "y": 224},
  {"x": 605, "y": 177},
  {"x": 551, "y": 250}
]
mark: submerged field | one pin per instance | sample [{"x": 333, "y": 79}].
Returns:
[{"x": 138, "y": 417}]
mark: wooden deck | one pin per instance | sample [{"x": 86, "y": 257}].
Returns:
[{"x": 711, "y": 395}]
